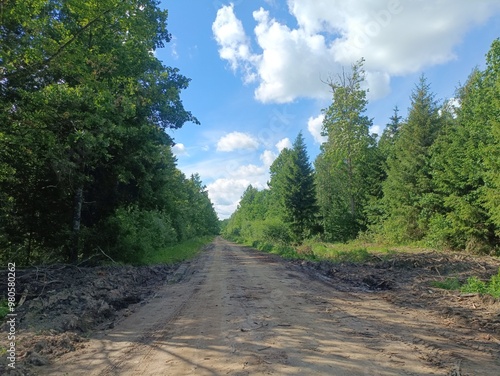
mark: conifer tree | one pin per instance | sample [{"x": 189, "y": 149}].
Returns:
[
  {"x": 408, "y": 189},
  {"x": 300, "y": 193}
]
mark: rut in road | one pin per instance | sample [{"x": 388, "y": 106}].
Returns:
[{"x": 241, "y": 312}]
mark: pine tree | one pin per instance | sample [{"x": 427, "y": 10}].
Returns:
[
  {"x": 458, "y": 171},
  {"x": 491, "y": 151},
  {"x": 300, "y": 193},
  {"x": 390, "y": 134},
  {"x": 408, "y": 196}
]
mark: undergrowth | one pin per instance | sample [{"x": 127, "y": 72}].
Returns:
[
  {"x": 473, "y": 285},
  {"x": 177, "y": 253},
  {"x": 312, "y": 251},
  {"x": 4, "y": 308}
]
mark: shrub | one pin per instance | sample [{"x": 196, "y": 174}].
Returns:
[
  {"x": 129, "y": 234},
  {"x": 474, "y": 285},
  {"x": 277, "y": 232}
]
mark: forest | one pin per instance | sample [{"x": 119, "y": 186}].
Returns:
[
  {"x": 431, "y": 179},
  {"x": 86, "y": 165},
  {"x": 86, "y": 162}
]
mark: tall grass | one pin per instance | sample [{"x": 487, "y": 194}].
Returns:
[{"x": 177, "y": 253}]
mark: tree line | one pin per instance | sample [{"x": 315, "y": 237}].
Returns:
[
  {"x": 432, "y": 178},
  {"x": 86, "y": 164}
]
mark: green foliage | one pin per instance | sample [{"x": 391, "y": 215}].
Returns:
[
  {"x": 84, "y": 105},
  {"x": 276, "y": 232},
  {"x": 292, "y": 186},
  {"x": 177, "y": 253},
  {"x": 493, "y": 287},
  {"x": 490, "y": 96},
  {"x": 447, "y": 284},
  {"x": 348, "y": 170},
  {"x": 355, "y": 256},
  {"x": 490, "y": 287},
  {"x": 130, "y": 234},
  {"x": 4, "y": 308},
  {"x": 473, "y": 285},
  {"x": 407, "y": 203}
]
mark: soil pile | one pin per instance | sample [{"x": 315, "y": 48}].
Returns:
[{"x": 58, "y": 304}]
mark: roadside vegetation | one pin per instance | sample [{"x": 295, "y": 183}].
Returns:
[
  {"x": 472, "y": 285},
  {"x": 86, "y": 162},
  {"x": 177, "y": 253},
  {"x": 430, "y": 181},
  {"x": 4, "y": 308}
]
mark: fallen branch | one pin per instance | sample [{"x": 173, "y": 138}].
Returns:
[{"x": 99, "y": 248}]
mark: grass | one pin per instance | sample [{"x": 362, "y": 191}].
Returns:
[
  {"x": 315, "y": 251},
  {"x": 179, "y": 252},
  {"x": 473, "y": 285},
  {"x": 356, "y": 251},
  {"x": 4, "y": 308},
  {"x": 447, "y": 284}
]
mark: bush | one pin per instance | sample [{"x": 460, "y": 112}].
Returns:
[
  {"x": 277, "y": 232},
  {"x": 129, "y": 234},
  {"x": 474, "y": 285},
  {"x": 494, "y": 285}
]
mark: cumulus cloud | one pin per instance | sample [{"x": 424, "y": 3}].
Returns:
[
  {"x": 179, "y": 149},
  {"x": 268, "y": 157},
  {"x": 237, "y": 141},
  {"x": 225, "y": 193},
  {"x": 284, "y": 143},
  {"x": 315, "y": 127},
  {"x": 234, "y": 45},
  {"x": 396, "y": 37}
]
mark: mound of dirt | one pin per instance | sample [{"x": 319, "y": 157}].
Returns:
[
  {"x": 406, "y": 280},
  {"x": 61, "y": 303}
]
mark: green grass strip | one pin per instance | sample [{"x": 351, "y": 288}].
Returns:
[{"x": 179, "y": 252}]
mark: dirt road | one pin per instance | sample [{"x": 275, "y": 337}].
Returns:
[{"x": 241, "y": 312}]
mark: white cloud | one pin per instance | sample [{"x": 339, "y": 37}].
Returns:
[
  {"x": 284, "y": 143},
  {"x": 173, "y": 48},
  {"x": 377, "y": 129},
  {"x": 315, "y": 127},
  {"x": 396, "y": 37},
  {"x": 237, "y": 141},
  {"x": 225, "y": 193},
  {"x": 268, "y": 157},
  {"x": 234, "y": 45},
  {"x": 248, "y": 171},
  {"x": 179, "y": 149}
]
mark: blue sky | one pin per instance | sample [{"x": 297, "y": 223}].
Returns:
[{"x": 258, "y": 67}]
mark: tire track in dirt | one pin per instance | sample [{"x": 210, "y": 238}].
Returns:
[{"x": 241, "y": 312}]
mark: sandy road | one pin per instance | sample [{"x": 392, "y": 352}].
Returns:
[{"x": 239, "y": 312}]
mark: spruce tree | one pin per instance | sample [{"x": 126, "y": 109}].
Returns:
[
  {"x": 300, "y": 194},
  {"x": 408, "y": 187},
  {"x": 491, "y": 151}
]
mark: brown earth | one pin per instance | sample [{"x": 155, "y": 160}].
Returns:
[{"x": 236, "y": 311}]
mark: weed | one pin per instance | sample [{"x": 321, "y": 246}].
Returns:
[
  {"x": 474, "y": 285},
  {"x": 447, "y": 284},
  {"x": 494, "y": 285},
  {"x": 4, "y": 308}
]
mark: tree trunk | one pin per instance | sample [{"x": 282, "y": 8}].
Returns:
[{"x": 77, "y": 216}]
